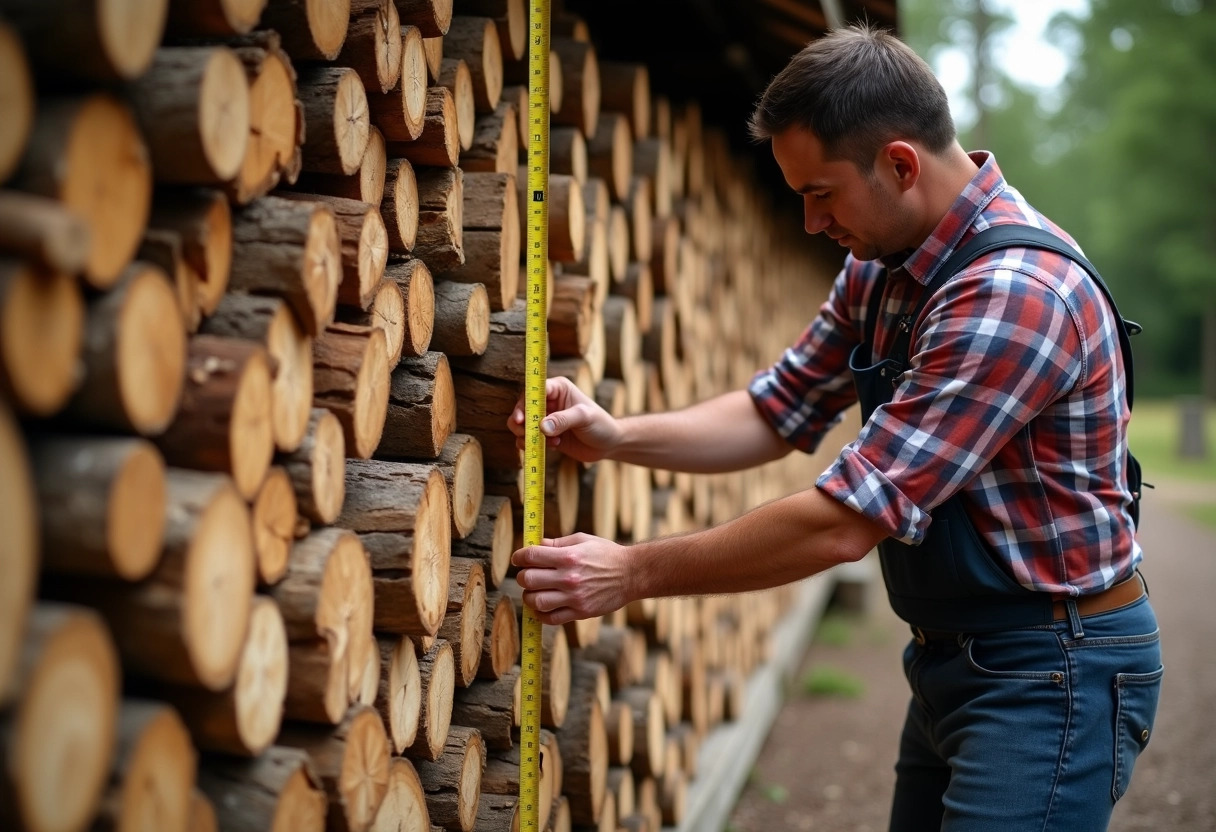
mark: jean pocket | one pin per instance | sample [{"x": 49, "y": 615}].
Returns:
[
  {"x": 1032, "y": 655},
  {"x": 1137, "y": 695}
]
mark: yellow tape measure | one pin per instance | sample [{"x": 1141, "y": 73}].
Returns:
[{"x": 536, "y": 367}]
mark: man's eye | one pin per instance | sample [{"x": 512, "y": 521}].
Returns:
[{"x": 821, "y": 195}]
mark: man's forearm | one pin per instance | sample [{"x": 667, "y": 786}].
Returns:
[
  {"x": 781, "y": 541},
  {"x": 725, "y": 433}
]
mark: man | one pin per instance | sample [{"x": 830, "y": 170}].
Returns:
[{"x": 989, "y": 470}]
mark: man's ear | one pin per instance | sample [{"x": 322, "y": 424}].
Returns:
[{"x": 900, "y": 161}]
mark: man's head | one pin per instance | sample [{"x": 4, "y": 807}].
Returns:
[{"x": 855, "y": 119}]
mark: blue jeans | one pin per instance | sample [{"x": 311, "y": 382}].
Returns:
[{"x": 1032, "y": 729}]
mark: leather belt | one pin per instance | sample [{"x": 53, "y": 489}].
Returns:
[{"x": 1119, "y": 595}]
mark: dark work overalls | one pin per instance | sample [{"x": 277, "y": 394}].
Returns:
[{"x": 952, "y": 582}]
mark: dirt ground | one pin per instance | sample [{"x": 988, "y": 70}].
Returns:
[{"x": 827, "y": 765}]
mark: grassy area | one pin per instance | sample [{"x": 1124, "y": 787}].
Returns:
[{"x": 1153, "y": 436}]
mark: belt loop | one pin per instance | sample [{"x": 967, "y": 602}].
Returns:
[{"x": 1074, "y": 618}]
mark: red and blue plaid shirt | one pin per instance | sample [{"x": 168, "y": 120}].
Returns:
[{"x": 1014, "y": 396}]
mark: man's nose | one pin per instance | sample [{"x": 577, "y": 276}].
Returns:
[{"x": 815, "y": 220}]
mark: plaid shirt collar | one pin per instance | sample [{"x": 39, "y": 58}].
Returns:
[{"x": 984, "y": 187}]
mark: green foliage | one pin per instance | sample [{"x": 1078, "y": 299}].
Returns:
[
  {"x": 825, "y": 680},
  {"x": 1153, "y": 434},
  {"x": 835, "y": 630},
  {"x": 776, "y": 793},
  {"x": 1125, "y": 162}
]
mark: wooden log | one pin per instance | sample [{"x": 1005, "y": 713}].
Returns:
[
  {"x": 290, "y": 249},
  {"x": 352, "y": 761},
  {"x": 610, "y": 154},
  {"x": 99, "y": 41},
  {"x": 432, "y": 49},
  {"x": 664, "y": 257},
  {"x": 452, "y": 782},
  {"x": 652, "y": 160},
  {"x": 350, "y": 372},
  {"x": 269, "y": 322},
  {"x": 474, "y": 39},
  {"x": 618, "y": 242},
  {"x": 416, "y": 286},
  {"x": 185, "y": 622},
  {"x": 492, "y": 707},
  {"x": 19, "y": 516},
  {"x": 364, "y": 245},
  {"x": 317, "y": 691},
  {"x": 192, "y": 106},
  {"x": 202, "y": 220},
  {"x": 327, "y": 594},
  {"x": 568, "y": 153},
  {"x": 464, "y": 624},
  {"x": 87, "y": 153},
  {"x": 318, "y": 468},
  {"x": 502, "y": 777},
  {"x": 432, "y": 17},
  {"x": 497, "y": 813},
  {"x": 639, "y": 209},
  {"x": 491, "y": 259},
  {"x": 584, "y": 743},
  {"x": 504, "y": 353},
  {"x": 274, "y": 516},
  {"x": 400, "y": 696},
  {"x": 17, "y": 91},
  {"x": 597, "y": 500},
  {"x": 42, "y": 313},
  {"x": 621, "y": 334},
  {"x": 439, "y": 240},
  {"x": 400, "y": 206},
  {"x": 387, "y": 313},
  {"x": 245, "y": 718},
  {"x": 421, "y": 411},
  {"x": 495, "y": 145},
  {"x": 462, "y": 318},
  {"x": 510, "y": 19},
  {"x": 555, "y": 665},
  {"x": 638, "y": 286},
  {"x": 101, "y": 503},
  {"x": 401, "y": 512},
  {"x": 625, "y": 88},
  {"x": 618, "y": 724},
  {"x": 438, "y": 145},
  {"x": 40, "y": 229},
  {"x": 437, "y": 670},
  {"x": 154, "y": 772},
  {"x": 310, "y": 31},
  {"x": 277, "y": 791},
  {"x": 365, "y": 185},
  {"x": 484, "y": 405},
  {"x": 460, "y": 462},
  {"x": 500, "y": 646},
  {"x": 404, "y": 808},
  {"x": 622, "y": 650},
  {"x": 224, "y": 422},
  {"x": 580, "y": 84},
  {"x": 66, "y": 675},
  {"x": 455, "y": 77},
  {"x": 336, "y": 117},
  {"x": 276, "y": 121},
  {"x": 567, "y": 215},
  {"x": 400, "y": 111},
  {"x": 572, "y": 316},
  {"x": 373, "y": 46},
  {"x": 202, "y": 813},
  {"x": 214, "y": 17},
  {"x": 492, "y": 539},
  {"x": 649, "y": 730},
  {"x": 562, "y": 474}
]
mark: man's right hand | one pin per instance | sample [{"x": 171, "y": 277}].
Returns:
[{"x": 575, "y": 423}]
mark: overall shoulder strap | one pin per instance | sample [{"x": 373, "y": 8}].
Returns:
[{"x": 999, "y": 237}]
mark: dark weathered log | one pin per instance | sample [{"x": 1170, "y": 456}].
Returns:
[
  {"x": 502, "y": 776},
  {"x": 318, "y": 468},
  {"x": 43, "y": 317},
  {"x": 41, "y": 229},
  {"x": 67, "y": 680},
  {"x": 214, "y": 17},
  {"x": 350, "y": 372},
  {"x": 440, "y": 218},
  {"x": 484, "y": 405},
  {"x": 503, "y": 358},
  {"x": 101, "y": 504},
  {"x": 278, "y": 791},
  {"x": 224, "y": 422},
  {"x": 87, "y": 152},
  {"x": 101, "y": 41},
  {"x": 421, "y": 410},
  {"x": 492, "y": 707},
  {"x": 192, "y": 106},
  {"x": 580, "y": 79}
]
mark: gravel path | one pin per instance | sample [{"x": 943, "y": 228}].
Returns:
[{"x": 827, "y": 763}]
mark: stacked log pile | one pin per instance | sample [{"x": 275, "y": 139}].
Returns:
[{"x": 261, "y": 328}]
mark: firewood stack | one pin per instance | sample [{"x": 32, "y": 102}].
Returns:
[{"x": 261, "y": 327}]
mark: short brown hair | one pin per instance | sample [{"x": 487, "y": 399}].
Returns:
[{"x": 856, "y": 88}]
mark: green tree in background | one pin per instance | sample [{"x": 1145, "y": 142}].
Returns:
[{"x": 1127, "y": 163}]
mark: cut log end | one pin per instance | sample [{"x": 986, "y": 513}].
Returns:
[
  {"x": 404, "y": 806},
  {"x": 274, "y": 523},
  {"x": 19, "y": 555},
  {"x": 261, "y": 679},
  {"x": 42, "y": 319}
]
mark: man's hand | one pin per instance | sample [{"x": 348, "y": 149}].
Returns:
[
  {"x": 575, "y": 577},
  {"x": 576, "y": 424}
]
